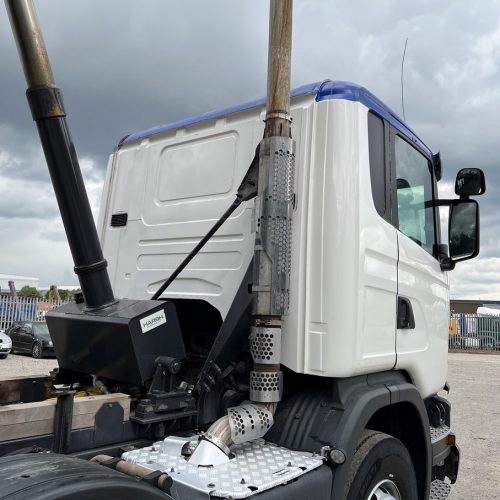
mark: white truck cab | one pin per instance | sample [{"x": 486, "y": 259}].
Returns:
[
  {"x": 296, "y": 338},
  {"x": 364, "y": 235},
  {"x": 364, "y": 342}
]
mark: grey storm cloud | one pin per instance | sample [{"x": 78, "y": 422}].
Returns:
[
  {"x": 123, "y": 68},
  {"x": 125, "y": 65},
  {"x": 17, "y": 210},
  {"x": 21, "y": 156},
  {"x": 54, "y": 233}
]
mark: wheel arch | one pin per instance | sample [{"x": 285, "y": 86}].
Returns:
[
  {"x": 402, "y": 421},
  {"x": 316, "y": 416},
  {"x": 395, "y": 409}
]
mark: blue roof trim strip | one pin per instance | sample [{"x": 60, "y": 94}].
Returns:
[
  {"x": 311, "y": 88},
  {"x": 352, "y": 92},
  {"x": 324, "y": 91}
]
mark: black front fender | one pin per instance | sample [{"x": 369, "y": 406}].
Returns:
[{"x": 335, "y": 412}]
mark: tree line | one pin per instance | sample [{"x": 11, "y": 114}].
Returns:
[{"x": 31, "y": 291}]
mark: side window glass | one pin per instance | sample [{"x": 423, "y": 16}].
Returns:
[
  {"x": 376, "y": 140},
  {"x": 414, "y": 189}
]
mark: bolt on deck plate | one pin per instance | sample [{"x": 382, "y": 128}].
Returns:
[{"x": 256, "y": 466}]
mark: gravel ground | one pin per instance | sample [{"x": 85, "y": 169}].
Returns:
[
  {"x": 22, "y": 364},
  {"x": 475, "y": 398}
]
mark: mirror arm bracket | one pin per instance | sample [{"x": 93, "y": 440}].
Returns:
[{"x": 447, "y": 264}]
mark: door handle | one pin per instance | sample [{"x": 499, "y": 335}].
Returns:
[{"x": 405, "y": 317}]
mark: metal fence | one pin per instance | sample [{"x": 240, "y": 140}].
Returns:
[
  {"x": 474, "y": 332},
  {"x": 23, "y": 309},
  {"x": 469, "y": 332}
]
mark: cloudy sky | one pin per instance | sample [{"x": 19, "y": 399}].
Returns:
[{"x": 125, "y": 65}]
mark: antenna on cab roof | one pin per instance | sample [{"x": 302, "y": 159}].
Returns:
[{"x": 402, "y": 80}]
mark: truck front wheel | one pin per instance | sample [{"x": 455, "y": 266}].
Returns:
[{"x": 381, "y": 469}]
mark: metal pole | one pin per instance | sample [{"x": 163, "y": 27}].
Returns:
[
  {"x": 278, "y": 69},
  {"x": 274, "y": 208},
  {"x": 276, "y": 174},
  {"x": 272, "y": 257},
  {"x": 29, "y": 41},
  {"x": 47, "y": 108}
]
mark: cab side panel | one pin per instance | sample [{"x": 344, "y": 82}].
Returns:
[{"x": 351, "y": 252}]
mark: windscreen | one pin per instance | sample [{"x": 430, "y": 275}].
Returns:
[{"x": 414, "y": 195}]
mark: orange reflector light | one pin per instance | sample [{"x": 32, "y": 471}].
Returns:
[{"x": 449, "y": 439}]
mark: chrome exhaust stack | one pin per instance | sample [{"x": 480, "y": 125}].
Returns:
[{"x": 272, "y": 255}]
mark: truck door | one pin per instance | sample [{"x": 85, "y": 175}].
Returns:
[
  {"x": 380, "y": 253},
  {"x": 422, "y": 304}
]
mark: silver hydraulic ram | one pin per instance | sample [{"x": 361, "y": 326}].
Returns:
[{"x": 272, "y": 257}]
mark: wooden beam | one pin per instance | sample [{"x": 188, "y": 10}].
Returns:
[
  {"x": 34, "y": 419},
  {"x": 25, "y": 389}
]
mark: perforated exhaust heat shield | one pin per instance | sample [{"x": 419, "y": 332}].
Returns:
[
  {"x": 274, "y": 226},
  {"x": 249, "y": 422}
]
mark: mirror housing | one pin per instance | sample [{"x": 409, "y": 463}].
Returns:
[
  {"x": 470, "y": 182},
  {"x": 438, "y": 167},
  {"x": 463, "y": 230}
]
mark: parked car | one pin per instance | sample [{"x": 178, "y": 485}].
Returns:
[
  {"x": 5, "y": 345},
  {"x": 31, "y": 337},
  {"x": 486, "y": 343},
  {"x": 490, "y": 343}
]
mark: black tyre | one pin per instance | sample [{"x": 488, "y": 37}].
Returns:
[
  {"x": 49, "y": 476},
  {"x": 381, "y": 469},
  {"x": 3, "y": 356},
  {"x": 36, "y": 350}
]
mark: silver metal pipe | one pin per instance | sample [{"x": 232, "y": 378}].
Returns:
[
  {"x": 272, "y": 260},
  {"x": 163, "y": 481},
  {"x": 30, "y": 43},
  {"x": 273, "y": 207},
  {"x": 278, "y": 69}
]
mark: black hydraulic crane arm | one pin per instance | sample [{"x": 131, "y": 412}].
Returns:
[{"x": 45, "y": 101}]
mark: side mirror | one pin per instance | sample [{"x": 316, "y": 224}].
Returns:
[
  {"x": 463, "y": 230},
  {"x": 470, "y": 182}
]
